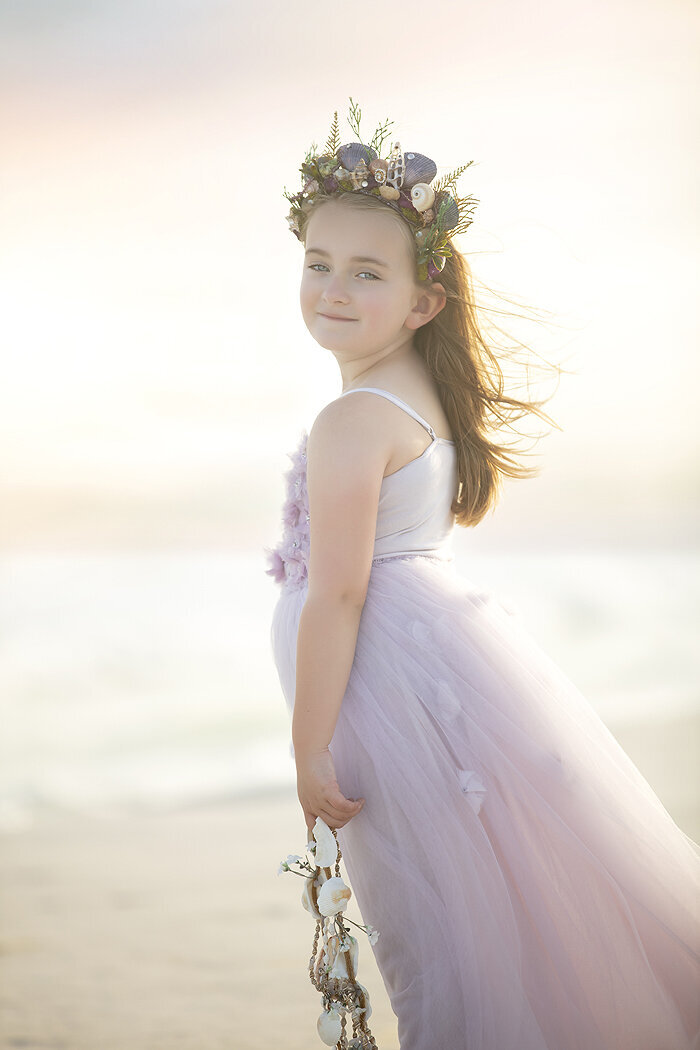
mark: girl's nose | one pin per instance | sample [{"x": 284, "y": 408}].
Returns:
[{"x": 335, "y": 291}]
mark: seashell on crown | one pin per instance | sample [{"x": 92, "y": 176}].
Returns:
[{"x": 403, "y": 180}]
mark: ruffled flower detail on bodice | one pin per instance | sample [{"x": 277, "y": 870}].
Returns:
[{"x": 289, "y": 559}]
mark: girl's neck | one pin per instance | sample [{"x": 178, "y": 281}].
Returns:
[{"x": 395, "y": 364}]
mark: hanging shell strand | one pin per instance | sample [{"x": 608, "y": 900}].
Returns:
[{"x": 333, "y": 962}]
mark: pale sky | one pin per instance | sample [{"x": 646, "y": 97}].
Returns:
[{"x": 156, "y": 367}]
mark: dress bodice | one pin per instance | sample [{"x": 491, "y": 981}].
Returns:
[{"x": 414, "y": 513}]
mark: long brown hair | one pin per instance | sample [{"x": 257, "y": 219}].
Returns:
[{"x": 469, "y": 379}]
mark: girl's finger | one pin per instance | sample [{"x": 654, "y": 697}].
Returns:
[
  {"x": 338, "y": 814},
  {"x": 343, "y": 804},
  {"x": 331, "y": 821},
  {"x": 344, "y": 807},
  {"x": 309, "y": 820},
  {"x": 337, "y": 820}
]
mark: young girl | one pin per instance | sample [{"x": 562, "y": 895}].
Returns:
[{"x": 530, "y": 889}]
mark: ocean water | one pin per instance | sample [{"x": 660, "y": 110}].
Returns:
[{"x": 146, "y": 680}]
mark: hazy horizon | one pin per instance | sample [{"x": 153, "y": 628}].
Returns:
[{"x": 157, "y": 369}]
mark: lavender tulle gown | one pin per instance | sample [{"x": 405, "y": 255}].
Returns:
[{"x": 531, "y": 891}]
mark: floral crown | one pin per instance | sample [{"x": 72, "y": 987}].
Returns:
[{"x": 403, "y": 180}]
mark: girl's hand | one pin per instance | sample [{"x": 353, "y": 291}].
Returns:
[{"x": 319, "y": 793}]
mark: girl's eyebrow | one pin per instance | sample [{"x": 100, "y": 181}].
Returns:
[{"x": 355, "y": 258}]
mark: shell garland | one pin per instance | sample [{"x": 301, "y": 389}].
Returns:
[
  {"x": 403, "y": 180},
  {"x": 333, "y": 966}
]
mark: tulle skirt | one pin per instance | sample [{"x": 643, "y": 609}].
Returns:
[{"x": 529, "y": 887}]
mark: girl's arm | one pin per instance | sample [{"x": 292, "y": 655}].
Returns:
[
  {"x": 325, "y": 649},
  {"x": 347, "y": 452}
]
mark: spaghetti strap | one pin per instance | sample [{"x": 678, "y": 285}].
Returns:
[{"x": 397, "y": 401}]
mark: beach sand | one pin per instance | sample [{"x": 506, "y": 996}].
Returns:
[
  {"x": 173, "y": 931},
  {"x": 151, "y": 932}
]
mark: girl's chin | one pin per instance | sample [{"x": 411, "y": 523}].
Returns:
[
  {"x": 329, "y": 344},
  {"x": 339, "y": 335}
]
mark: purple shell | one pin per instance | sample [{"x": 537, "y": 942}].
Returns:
[
  {"x": 351, "y": 154},
  {"x": 418, "y": 169},
  {"x": 450, "y": 214}
]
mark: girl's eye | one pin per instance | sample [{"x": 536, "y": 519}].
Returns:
[{"x": 368, "y": 272}]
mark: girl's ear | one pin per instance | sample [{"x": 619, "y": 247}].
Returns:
[{"x": 430, "y": 302}]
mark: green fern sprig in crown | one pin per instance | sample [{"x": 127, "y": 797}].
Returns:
[
  {"x": 404, "y": 181},
  {"x": 333, "y": 141}
]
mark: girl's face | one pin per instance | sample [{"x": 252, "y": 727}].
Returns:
[{"x": 358, "y": 288}]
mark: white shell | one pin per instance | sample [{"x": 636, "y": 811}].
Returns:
[
  {"x": 361, "y": 1009},
  {"x": 329, "y": 1027},
  {"x": 326, "y": 845},
  {"x": 422, "y": 196},
  {"x": 359, "y": 174},
  {"x": 337, "y": 959},
  {"x": 379, "y": 169},
  {"x": 396, "y": 167},
  {"x": 307, "y": 901},
  {"x": 333, "y": 896}
]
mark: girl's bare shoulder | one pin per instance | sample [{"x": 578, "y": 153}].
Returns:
[{"x": 352, "y": 429}]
